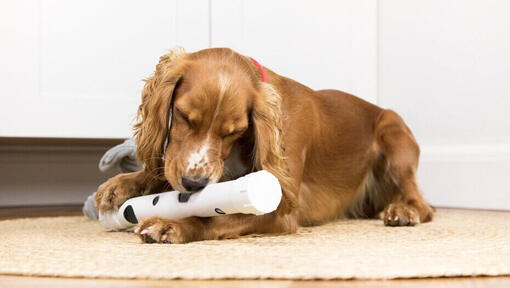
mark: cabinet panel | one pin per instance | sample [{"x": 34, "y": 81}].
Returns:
[
  {"x": 86, "y": 61},
  {"x": 444, "y": 66},
  {"x": 322, "y": 44}
]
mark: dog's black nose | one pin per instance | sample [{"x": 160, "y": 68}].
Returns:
[{"x": 194, "y": 184}]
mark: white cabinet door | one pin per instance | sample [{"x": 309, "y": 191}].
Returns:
[
  {"x": 322, "y": 44},
  {"x": 74, "y": 68},
  {"x": 445, "y": 67}
]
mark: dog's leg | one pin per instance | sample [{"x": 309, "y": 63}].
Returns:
[
  {"x": 111, "y": 194},
  {"x": 190, "y": 229},
  {"x": 400, "y": 154}
]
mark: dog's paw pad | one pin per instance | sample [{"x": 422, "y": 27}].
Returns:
[
  {"x": 157, "y": 230},
  {"x": 398, "y": 214}
]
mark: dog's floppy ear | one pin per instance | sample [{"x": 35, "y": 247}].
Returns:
[
  {"x": 268, "y": 133},
  {"x": 152, "y": 127}
]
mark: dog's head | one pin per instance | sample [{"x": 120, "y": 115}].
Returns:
[{"x": 196, "y": 107}]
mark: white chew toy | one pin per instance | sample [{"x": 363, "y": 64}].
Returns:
[{"x": 256, "y": 193}]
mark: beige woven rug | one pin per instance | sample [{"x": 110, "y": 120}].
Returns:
[{"x": 457, "y": 243}]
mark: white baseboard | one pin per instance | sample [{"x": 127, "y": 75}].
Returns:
[{"x": 466, "y": 176}]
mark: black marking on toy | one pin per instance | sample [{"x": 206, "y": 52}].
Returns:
[
  {"x": 184, "y": 197},
  {"x": 155, "y": 201},
  {"x": 219, "y": 211},
  {"x": 149, "y": 239},
  {"x": 129, "y": 215}
]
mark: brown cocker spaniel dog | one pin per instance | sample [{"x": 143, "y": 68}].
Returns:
[{"x": 335, "y": 155}]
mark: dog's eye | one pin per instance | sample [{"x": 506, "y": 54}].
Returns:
[
  {"x": 183, "y": 117},
  {"x": 233, "y": 133}
]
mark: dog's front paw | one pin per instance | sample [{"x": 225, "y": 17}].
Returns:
[
  {"x": 400, "y": 214},
  {"x": 111, "y": 194},
  {"x": 158, "y": 230}
]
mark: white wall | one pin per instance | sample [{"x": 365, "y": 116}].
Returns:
[{"x": 442, "y": 64}]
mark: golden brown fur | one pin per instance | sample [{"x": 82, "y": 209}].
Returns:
[{"x": 335, "y": 155}]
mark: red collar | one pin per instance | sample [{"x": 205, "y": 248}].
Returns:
[{"x": 261, "y": 69}]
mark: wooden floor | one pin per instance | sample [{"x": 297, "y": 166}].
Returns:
[{"x": 22, "y": 281}]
